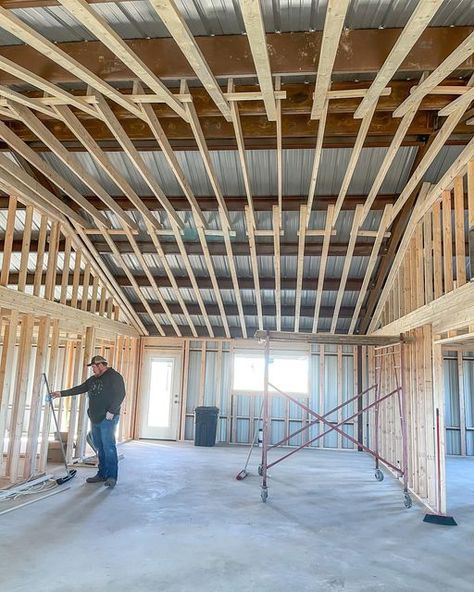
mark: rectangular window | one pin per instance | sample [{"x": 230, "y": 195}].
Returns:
[{"x": 287, "y": 373}]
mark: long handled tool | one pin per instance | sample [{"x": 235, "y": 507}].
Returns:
[
  {"x": 70, "y": 473},
  {"x": 243, "y": 473},
  {"x": 439, "y": 517}
]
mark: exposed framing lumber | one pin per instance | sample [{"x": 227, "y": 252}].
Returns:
[
  {"x": 402, "y": 249},
  {"x": 439, "y": 141},
  {"x": 37, "y": 399},
  {"x": 9, "y": 94},
  {"x": 347, "y": 265},
  {"x": 279, "y": 155},
  {"x": 239, "y": 136},
  {"x": 19, "y": 397},
  {"x": 40, "y": 255},
  {"x": 300, "y": 265},
  {"x": 28, "y": 35},
  {"x": 152, "y": 281},
  {"x": 171, "y": 159},
  {"x": 417, "y": 23},
  {"x": 212, "y": 275},
  {"x": 134, "y": 283},
  {"x": 277, "y": 264},
  {"x": 457, "y": 57},
  {"x": 334, "y": 21},
  {"x": 25, "y": 248},
  {"x": 40, "y": 130},
  {"x": 27, "y": 186},
  {"x": 233, "y": 274},
  {"x": 355, "y": 154},
  {"x": 99, "y": 27},
  {"x": 254, "y": 265},
  {"x": 34, "y": 159},
  {"x": 459, "y": 231},
  {"x": 328, "y": 338},
  {"x": 128, "y": 147},
  {"x": 468, "y": 97},
  {"x": 253, "y": 20},
  {"x": 317, "y": 159},
  {"x": 172, "y": 279},
  {"x": 6, "y": 374},
  {"x": 192, "y": 277},
  {"x": 176, "y": 25},
  {"x": 370, "y": 266},
  {"x": 103, "y": 160},
  {"x": 42, "y": 84},
  {"x": 205, "y": 155},
  {"x": 322, "y": 265},
  {"x": 389, "y": 157},
  {"x": 7, "y": 248}
]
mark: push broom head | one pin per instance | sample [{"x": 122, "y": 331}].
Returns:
[
  {"x": 440, "y": 519},
  {"x": 241, "y": 475}
]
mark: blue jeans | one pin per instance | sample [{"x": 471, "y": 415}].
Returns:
[{"x": 103, "y": 434}]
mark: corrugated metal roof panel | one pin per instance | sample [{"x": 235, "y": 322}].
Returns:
[
  {"x": 138, "y": 19},
  {"x": 445, "y": 158}
]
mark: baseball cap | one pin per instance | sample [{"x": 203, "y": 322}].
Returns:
[{"x": 97, "y": 360}]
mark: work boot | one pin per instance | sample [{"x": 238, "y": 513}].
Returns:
[
  {"x": 110, "y": 482},
  {"x": 95, "y": 479}
]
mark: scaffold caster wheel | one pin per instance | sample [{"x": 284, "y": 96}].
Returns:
[
  {"x": 407, "y": 501},
  {"x": 378, "y": 475},
  {"x": 260, "y": 470},
  {"x": 264, "y": 494}
]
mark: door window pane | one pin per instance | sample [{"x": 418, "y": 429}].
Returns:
[{"x": 161, "y": 376}]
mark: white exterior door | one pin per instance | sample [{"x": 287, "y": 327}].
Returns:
[{"x": 161, "y": 387}]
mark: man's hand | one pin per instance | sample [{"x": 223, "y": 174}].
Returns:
[
  {"x": 55, "y": 394},
  {"x": 109, "y": 416}
]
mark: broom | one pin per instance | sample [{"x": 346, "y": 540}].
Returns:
[
  {"x": 243, "y": 473},
  {"x": 70, "y": 473},
  {"x": 439, "y": 517}
]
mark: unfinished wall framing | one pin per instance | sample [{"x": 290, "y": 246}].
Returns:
[
  {"x": 207, "y": 379},
  {"x": 31, "y": 345}
]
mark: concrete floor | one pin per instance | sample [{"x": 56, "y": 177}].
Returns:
[{"x": 178, "y": 521}]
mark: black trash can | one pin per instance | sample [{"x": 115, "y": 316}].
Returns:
[{"x": 205, "y": 427}]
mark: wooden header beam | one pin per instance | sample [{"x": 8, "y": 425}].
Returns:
[
  {"x": 329, "y": 338},
  {"x": 73, "y": 318}
]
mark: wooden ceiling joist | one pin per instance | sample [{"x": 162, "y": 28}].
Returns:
[
  {"x": 34, "y": 159},
  {"x": 99, "y": 27},
  {"x": 120, "y": 260},
  {"x": 28, "y": 35},
  {"x": 389, "y": 157},
  {"x": 417, "y": 23},
  {"x": 355, "y": 155},
  {"x": 254, "y": 265},
  {"x": 335, "y": 14},
  {"x": 171, "y": 278},
  {"x": 172, "y": 160},
  {"x": 18, "y": 179},
  {"x": 356, "y": 222},
  {"x": 26, "y": 75},
  {"x": 459, "y": 55},
  {"x": 437, "y": 144},
  {"x": 254, "y": 27},
  {"x": 151, "y": 279},
  {"x": 128, "y": 147},
  {"x": 300, "y": 265},
  {"x": 384, "y": 222},
  {"x": 103, "y": 160},
  {"x": 176, "y": 25},
  {"x": 330, "y": 215},
  {"x": 46, "y": 136}
]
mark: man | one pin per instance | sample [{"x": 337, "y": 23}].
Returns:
[{"x": 106, "y": 390}]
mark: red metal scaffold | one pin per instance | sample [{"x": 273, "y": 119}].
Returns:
[{"x": 382, "y": 351}]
